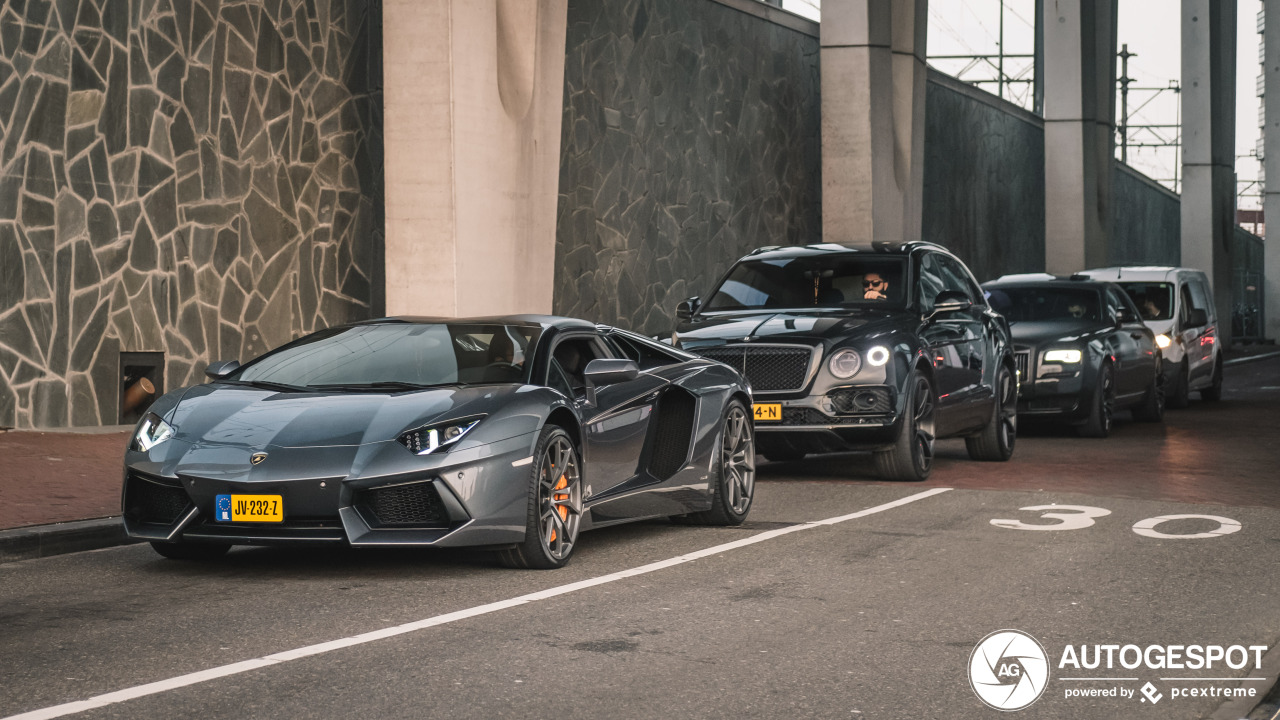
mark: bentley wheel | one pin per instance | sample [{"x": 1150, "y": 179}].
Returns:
[
  {"x": 911, "y": 457},
  {"x": 734, "y": 488},
  {"x": 1103, "y": 407},
  {"x": 190, "y": 551},
  {"x": 996, "y": 440},
  {"x": 555, "y": 505},
  {"x": 1153, "y": 401}
]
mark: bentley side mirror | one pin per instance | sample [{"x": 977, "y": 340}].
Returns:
[
  {"x": 221, "y": 369},
  {"x": 1198, "y": 318},
  {"x": 688, "y": 308},
  {"x": 949, "y": 301}
]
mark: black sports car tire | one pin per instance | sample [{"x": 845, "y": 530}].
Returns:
[
  {"x": 1153, "y": 402},
  {"x": 735, "y": 484},
  {"x": 550, "y": 535},
  {"x": 996, "y": 441},
  {"x": 190, "y": 551},
  {"x": 1178, "y": 396},
  {"x": 1213, "y": 393},
  {"x": 1102, "y": 407},
  {"x": 911, "y": 456}
]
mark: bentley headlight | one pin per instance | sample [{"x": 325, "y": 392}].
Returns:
[
  {"x": 1062, "y": 356},
  {"x": 1163, "y": 341},
  {"x": 429, "y": 439},
  {"x": 878, "y": 355},
  {"x": 845, "y": 364},
  {"x": 151, "y": 432}
]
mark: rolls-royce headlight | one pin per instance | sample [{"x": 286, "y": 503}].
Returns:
[
  {"x": 845, "y": 364},
  {"x": 431, "y": 438},
  {"x": 152, "y": 431},
  {"x": 1163, "y": 341},
  {"x": 878, "y": 355},
  {"x": 1062, "y": 356}
]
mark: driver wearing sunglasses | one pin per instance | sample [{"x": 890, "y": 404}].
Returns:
[{"x": 874, "y": 287}]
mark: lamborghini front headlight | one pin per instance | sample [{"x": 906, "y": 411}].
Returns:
[{"x": 152, "y": 431}]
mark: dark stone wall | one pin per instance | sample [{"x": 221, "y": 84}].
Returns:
[
  {"x": 197, "y": 177},
  {"x": 1147, "y": 226},
  {"x": 690, "y": 136},
  {"x": 983, "y": 179}
]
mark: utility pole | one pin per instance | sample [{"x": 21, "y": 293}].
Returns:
[
  {"x": 1000, "y": 68},
  {"x": 1124, "y": 101}
]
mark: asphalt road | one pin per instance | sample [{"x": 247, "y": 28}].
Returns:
[{"x": 871, "y": 616}]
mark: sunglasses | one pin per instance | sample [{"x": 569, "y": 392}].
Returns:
[{"x": 869, "y": 283}]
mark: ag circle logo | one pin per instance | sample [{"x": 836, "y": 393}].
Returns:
[{"x": 1008, "y": 670}]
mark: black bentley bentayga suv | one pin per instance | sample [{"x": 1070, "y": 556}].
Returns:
[{"x": 884, "y": 348}]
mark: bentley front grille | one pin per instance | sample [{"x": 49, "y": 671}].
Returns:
[
  {"x": 414, "y": 505},
  {"x": 769, "y": 368}
]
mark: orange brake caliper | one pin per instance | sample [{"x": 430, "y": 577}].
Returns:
[{"x": 562, "y": 510}]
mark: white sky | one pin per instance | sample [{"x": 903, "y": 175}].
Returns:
[{"x": 1151, "y": 28}]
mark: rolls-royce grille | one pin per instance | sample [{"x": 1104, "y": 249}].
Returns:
[
  {"x": 768, "y": 368},
  {"x": 414, "y": 505},
  {"x": 1022, "y": 359},
  {"x": 149, "y": 501},
  {"x": 862, "y": 401}
]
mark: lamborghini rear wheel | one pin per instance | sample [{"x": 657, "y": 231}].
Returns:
[{"x": 555, "y": 505}]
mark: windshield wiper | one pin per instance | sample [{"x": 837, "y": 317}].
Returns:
[
  {"x": 267, "y": 385},
  {"x": 381, "y": 385}
]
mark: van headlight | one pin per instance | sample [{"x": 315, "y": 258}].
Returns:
[
  {"x": 152, "y": 431},
  {"x": 1163, "y": 341},
  {"x": 845, "y": 364}
]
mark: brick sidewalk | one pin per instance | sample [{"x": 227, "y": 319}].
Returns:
[{"x": 48, "y": 477}]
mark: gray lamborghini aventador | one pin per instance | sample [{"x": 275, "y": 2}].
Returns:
[{"x": 513, "y": 433}]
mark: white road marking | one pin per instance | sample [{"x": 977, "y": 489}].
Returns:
[
  {"x": 1147, "y": 528},
  {"x": 201, "y": 676},
  {"x": 1069, "y": 517}
]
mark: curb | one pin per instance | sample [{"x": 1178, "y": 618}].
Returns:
[
  {"x": 1250, "y": 358},
  {"x": 39, "y": 541}
]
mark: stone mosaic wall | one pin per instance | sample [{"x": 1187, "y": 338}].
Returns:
[
  {"x": 198, "y": 177},
  {"x": 690, "y": 136}
]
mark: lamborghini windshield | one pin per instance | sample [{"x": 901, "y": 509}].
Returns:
[
  {"x": 397, "y": 357},
  {"x": 816, "y": 281}
]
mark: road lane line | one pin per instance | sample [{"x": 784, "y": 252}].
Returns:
[
  {"x": 1250, "y": 358},
  {"x": 243, "y": 666}
]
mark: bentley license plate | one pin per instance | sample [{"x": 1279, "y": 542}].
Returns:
[
  {"x": 249, "y": 508},
  {"x": 767, "y": 412}
]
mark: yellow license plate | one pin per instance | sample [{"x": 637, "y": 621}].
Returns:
[
  {"x": 257, "y": 508},
  {"x": 767, "y": 412}
]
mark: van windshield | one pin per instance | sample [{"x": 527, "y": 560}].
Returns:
[{"x": 1154, "y": 299}]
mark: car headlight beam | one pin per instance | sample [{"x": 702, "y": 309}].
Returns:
[
  {"x": 845, "y": 363},
  {"x": 427, "y": 440},
  {"x": 1067, "y": 357},
  {"x": 1163, "y": 341},
  {"x": 152, "y": 431}
]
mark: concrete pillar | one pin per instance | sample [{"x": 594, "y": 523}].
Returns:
[
  {"x": 873, "y": 95},
  {"x": 1209, "y": 146},
  {"x": 1271, "y": 167},
  {"x": 473, "y": 93},
  {"x": 1079, "y": 135}
]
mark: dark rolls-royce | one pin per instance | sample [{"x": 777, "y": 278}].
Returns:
[
  {"x": 885, "y": 347},
  {"x": 1082, "y": 349}
]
